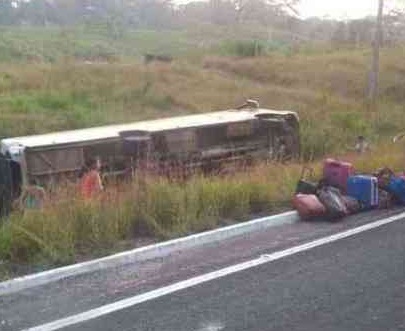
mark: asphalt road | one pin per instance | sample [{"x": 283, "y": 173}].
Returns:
[
  {"x": 355, "y": 283},
  {"x": 352, "y": 284}
]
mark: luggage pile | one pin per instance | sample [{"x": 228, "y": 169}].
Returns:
[{"x": 342, "y": 192}]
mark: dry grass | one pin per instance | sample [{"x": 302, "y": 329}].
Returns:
[
  {"x": 326, "y": 89},
  {"x": 158, "y": 207}
]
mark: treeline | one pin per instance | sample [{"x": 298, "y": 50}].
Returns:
[
  {"x": 141, "y": 13},
  {"x": 353, "y": 33},
  {"x": 278, "y": 17}
]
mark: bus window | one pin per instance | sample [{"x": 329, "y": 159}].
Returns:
[{"x": 211, "y": 136}]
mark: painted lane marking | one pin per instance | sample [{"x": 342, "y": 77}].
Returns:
[
  {"x": 211, "y": 326},
  {"x": 138, "y": 299}
]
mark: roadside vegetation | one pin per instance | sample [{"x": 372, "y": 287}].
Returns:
[
  {"x": 70, "y": 230},
  {"x": 40, "y": 94}
]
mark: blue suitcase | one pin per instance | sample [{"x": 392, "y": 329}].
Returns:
[{"x": 364, "y": 189}]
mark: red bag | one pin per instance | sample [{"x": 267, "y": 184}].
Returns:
[
  {"x": 336, "y": 173},
  {"x": 308, "y": 206}
]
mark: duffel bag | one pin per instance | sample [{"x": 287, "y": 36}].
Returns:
[
  {"x": 353, "y": 206},
  {"x": 332, "y": 199},
  {"x": 308, "y": 206},
  {"x": 305, "y": 185},
  {"x": 384, "y": 176},
  {"x": 392, "y": 184}
]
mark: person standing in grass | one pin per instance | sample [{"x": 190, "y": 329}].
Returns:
[
  {"x": 90, "y": 184},
  {"x": 361, "y": 145},
  {"x": 32, "y": 197},
  {"x": 281, "y": 152}
]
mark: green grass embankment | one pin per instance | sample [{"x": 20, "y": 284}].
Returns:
[{"x": 326, "y": 88}]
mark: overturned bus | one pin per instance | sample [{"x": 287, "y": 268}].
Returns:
[{"x": 202, "y": 141}]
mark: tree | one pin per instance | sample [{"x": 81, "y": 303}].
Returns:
[
  {"x": 258, "y": 8},
  {"x": 394, "y": 25},
  {"x": 6, "y": 12},
  {"x": 222, "y": 12},
  {"x": 149, "y": 13}
]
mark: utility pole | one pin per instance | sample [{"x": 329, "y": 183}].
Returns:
[{"x": 375, "y": 69}]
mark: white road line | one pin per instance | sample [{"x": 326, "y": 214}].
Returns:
[{"x": 138, "y": 299}]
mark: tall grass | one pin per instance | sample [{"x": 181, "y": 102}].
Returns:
[
  {"x": 156, "y": 207},
  {"x": 160, "y": 208}
]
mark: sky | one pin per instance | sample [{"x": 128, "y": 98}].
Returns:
[{"x": 339, "y": 9}]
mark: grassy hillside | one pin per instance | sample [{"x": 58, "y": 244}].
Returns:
[
  {"x": 96, "y": 42},
  {"x": 327, "y": 89},
  {"x": 40, "y": 94}
]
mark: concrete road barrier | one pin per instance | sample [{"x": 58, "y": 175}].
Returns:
[{"x": 146, "y": 253}]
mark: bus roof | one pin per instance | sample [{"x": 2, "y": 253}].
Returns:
[{"x": 113, "y": 131}]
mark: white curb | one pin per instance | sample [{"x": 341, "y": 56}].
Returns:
[{"x": 146, "y": 253}]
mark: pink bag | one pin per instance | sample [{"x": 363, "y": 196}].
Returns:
[
  {"x": 336, "y": 173},
  {"x": 308, "y": 206}
]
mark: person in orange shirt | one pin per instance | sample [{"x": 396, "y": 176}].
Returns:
[{"x": 90, "y": 184}]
